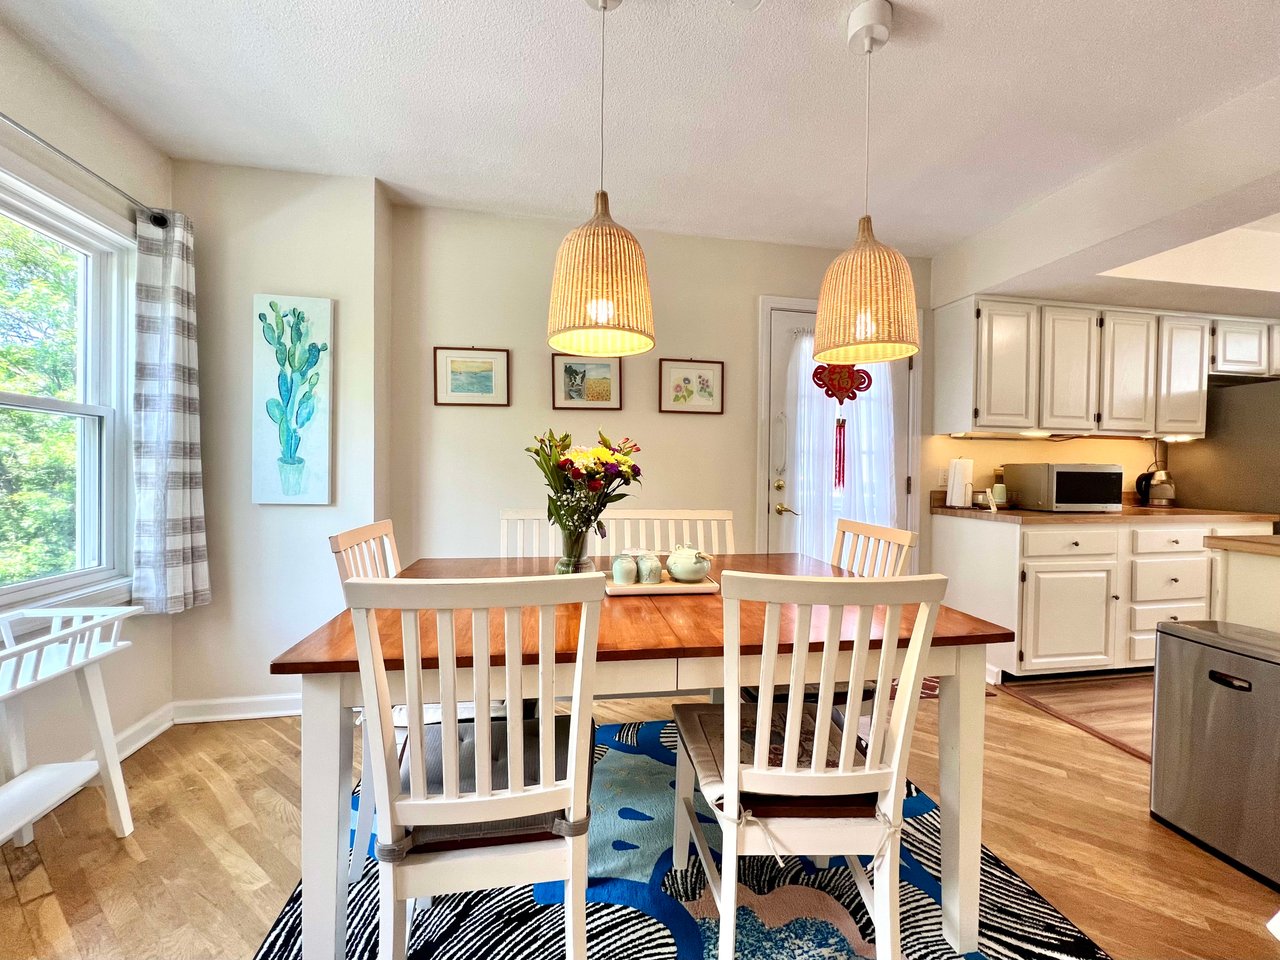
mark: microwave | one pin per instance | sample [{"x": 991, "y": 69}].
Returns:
[{"x": 1065, "y": 487}]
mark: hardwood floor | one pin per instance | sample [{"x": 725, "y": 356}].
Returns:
[
  {"x": 215, "y": 850},
  {"x": 1116, "y": 708}
]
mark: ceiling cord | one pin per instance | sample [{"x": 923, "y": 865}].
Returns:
[
  {"x": 866, "y": 169},
  {"x": 604, "y": 7}
]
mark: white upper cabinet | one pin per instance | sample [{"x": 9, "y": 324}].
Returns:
[
  {"x": 1127, "y": 395},
  {"x": 1008, "y": 389},
  {"x": 1070, "y": 345},
  {"x": 1275, "y": 349},
  {"x": 1242, "y": 347},
  {"x": 1183, "y": 375}
]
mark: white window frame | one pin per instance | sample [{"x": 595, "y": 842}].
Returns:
[{"x": 106, "y": 368}]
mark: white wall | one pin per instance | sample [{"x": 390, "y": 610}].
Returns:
[
  {"x": 464, "y": 279},
  {"x": 273, "y": 579},
  {"x": 139, "y": 681}
]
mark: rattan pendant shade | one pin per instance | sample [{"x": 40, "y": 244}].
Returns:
[
  {"x": 867, "y": 305},
  {"x": 600, "y": 302}
]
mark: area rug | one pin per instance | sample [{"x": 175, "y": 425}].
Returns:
[{"x": 639, "y": 908}]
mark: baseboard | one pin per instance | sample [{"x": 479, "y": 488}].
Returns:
[
  {"x": 237, "y": 708},
  {"x": 994, "y": 674},
  {"x": 138, "y": 735}
]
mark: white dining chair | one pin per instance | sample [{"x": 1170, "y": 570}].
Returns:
[
  {"x": 528, "y": 533},
  {"x": 663, "y": 530},
  {"x": 492, "y": 802},
  {"x": 790, "y": 780},
  {"x": 867, "y": 550}
]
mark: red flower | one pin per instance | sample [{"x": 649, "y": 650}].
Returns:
[
  {"x": 565, "y": 464},
  {"x": 595, "y": 485},
  {"x": 575, "y": 473}
]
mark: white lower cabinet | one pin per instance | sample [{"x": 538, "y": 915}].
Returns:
[{"x": 1068, "y": 615}]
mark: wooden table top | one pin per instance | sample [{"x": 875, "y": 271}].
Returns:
[{"x": 631, "y": 627}]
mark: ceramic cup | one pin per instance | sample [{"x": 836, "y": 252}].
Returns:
[
  {"x": 649, "y": 568},
  {"x": 624, "y": 569}
]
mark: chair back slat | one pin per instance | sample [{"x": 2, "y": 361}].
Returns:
[
  {"x": 547, "y": 605},
  {"x": 661, "y": 531},
  {"x": 872, "y": 551},
  {"x": 788, "y": 616},
  {"x": 368, "y": 551},
  {"x": 527, "y": 533}
]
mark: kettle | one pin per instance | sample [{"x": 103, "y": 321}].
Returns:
[{"x": 1156, "y": 489}]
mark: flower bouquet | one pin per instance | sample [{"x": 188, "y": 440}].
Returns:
[{"x": 583, "y": 481}]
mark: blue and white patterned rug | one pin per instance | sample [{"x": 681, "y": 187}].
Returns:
[{"x": 639, "y": 908}]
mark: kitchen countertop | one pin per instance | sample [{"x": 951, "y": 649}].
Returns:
[
  {"x": 1127, "y": 514},
  {"x": 1264, "y": 546}
]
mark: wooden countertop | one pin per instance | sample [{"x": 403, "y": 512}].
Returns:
[
  {"x": 1126, "y": 514},
  {"x": 1263, "y": 546}
]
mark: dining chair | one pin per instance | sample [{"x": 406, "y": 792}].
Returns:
[
  {"x": 872, "y": 551},
  {"x": 528, "y": 533},
  {"x": 790, "y": 779},
  {"x": 492, "y": 802},
  {"x": 663, "y": 530}
]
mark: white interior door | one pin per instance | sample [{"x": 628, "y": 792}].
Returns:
[{"x": 798, "y": 486}]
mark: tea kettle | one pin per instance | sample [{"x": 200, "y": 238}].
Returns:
[{"x": 1156, "y": 489}]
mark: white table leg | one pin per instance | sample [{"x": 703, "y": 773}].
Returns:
[
  {"x": 961, "y": 708},
  {"x": 326, "y": 816}
]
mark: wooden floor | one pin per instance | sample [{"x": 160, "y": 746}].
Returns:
[
  {"x": 215, "y": 850},
  {"x": 1117, "y": 709}
]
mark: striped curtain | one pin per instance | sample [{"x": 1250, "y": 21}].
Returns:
[{"x": 170, "y": 562}]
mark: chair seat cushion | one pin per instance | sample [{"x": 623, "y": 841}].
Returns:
[
  {"x": 701, "y": 732},
  {"x": 453, "y": 836}
]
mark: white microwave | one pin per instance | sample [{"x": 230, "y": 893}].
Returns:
[{"x": 1065, "y": 487}]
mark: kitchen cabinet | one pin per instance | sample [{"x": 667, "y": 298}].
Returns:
[
  {"x": 1242, "y": 347},
  {"x": 1182, "y": 376},
  {"x": 1008, "y": 391},
  {"x": 1127, "y": 393},
  {"x": 1275, "y": 349},
  {"x": 1068, "y": 615},
  {"x": 1069, "y": 362}
]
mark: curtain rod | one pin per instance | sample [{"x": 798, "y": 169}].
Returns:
[{"x": 158, "y": 218}]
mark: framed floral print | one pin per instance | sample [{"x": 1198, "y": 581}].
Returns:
[{"x": 690, "y": 386}]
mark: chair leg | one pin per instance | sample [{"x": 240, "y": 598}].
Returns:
[
  {"x": 575, "y": 901},
  {"x": 821, "y": 862},
  {"x": 884, "y": 911},
  {"x": 684, "y": 791},
  {"x": 391, "y": 925},
  {"x": 364, "y": 813},
  {"x": 728, "y": 893}
]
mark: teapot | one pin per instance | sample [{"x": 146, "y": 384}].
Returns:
[{"x": 688, "y": 564}]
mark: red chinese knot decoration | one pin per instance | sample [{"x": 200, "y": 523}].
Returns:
[{"x": 841, "y": 382}]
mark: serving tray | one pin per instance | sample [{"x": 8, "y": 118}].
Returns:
[{"x": 668, "y": 586}]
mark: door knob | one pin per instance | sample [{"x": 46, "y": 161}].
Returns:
[
  {"x": 782, "y": 508},
  {"x": 779, "y": 484}
]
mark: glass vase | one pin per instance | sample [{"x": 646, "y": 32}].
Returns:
[{"x": 575, "y": 559}]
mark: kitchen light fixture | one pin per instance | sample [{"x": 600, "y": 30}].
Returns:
[
  {"x": 867, "y": 305},
  {"x": 600, "y": 302}
]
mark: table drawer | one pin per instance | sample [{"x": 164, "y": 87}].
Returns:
[
  {"x": 1068, "y": 541},
  {"x": 1148, "y": 618},
  {"x": 1142, "y": 647},
  {"x": 1169, "y": 540},
  {"x": 1184, "y": 578}
]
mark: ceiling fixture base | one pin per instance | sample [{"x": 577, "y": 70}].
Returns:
[
  {"x": 869, "y": 25},
  {"x": 604, "y": 4}
]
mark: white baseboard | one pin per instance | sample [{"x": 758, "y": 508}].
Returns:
[
  {"x": 993, "y": 674},
  {"x": 237, "y": 708},
  {"x": 138, "y": 735}
]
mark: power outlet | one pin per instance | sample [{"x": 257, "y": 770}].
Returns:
[{"x": 943, "y": 476}]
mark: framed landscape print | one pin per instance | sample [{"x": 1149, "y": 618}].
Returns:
[
  {"x": 292, "y": 364},
  {"x": 473, "y": 376},
  {"x": 691, "y": 386},
  {"x": 586, "y": 383}
]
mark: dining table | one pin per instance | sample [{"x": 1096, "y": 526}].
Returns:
[{"x": 648, "y": 645}]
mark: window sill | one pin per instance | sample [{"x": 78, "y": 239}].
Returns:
[{"x": 118, "y": 591}]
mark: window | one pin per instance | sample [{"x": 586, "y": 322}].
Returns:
[{"x": 63, "y": 507}]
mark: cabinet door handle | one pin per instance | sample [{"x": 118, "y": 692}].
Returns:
[
  {"x": 1075, "y": 543},
  {"x": 1174, "y": 580},
  {"x": 1115, "y": 596}
]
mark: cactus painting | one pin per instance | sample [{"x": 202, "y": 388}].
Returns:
[{"x": 292, "y": 360}]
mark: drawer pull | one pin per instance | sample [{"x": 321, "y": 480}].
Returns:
[
  {"x": 1174, "y": 617},
  {"x": 1075, "y": 543},
  {"x": 1175, "y": 542},
  {"x": 1230, "y": 682},
  {"x": 1173, "y": 580}
]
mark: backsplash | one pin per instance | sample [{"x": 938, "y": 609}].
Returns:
[
  {"x": 1134, "y": 456},
  {"x": 1237, "y": 465}
]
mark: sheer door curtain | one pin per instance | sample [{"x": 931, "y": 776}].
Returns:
[{"x": 869, "y": 494}]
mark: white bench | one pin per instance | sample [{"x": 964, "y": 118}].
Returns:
[{"x": 69, "y": 641}]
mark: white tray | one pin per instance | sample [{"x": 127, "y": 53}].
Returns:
[{"x": 668, "y": 586}]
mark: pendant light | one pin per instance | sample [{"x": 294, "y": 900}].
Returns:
[
  {"x": 600, "y": 303},
  {"x": 867, "y": 305}
]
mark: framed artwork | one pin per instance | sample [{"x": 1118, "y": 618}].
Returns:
[
  {"x": 292, "y": 364},
  {"x": 471, "y": 376},
  {"x": 586, "y": 383},
  {"x": 690, "y": 386}
]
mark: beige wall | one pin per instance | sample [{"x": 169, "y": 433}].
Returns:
[
  {"x": 139, "y": 680},
  {"x": 259, "y": 231},
  {"x": 1237, "y": 465},
  {"x": 465, "y": 279}
]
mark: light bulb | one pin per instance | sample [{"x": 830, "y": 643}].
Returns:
[{"x": 600, "y": 310}]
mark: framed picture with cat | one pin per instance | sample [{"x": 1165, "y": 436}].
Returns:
[{"x": 585, "y": 383}]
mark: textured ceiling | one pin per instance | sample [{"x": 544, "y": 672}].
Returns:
[{"x": 720, "y": 122}]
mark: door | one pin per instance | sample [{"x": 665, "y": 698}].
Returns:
[
  {"x": 1008, "y": 387},
  {"x": 1068, "y": 615},
  {"x": 1242, "y": 347},
  {"x": 1183, "y": 375},
  {"x": 1128, "y": 389},
  {"x": 1069, "y": 369},
  {"x": 798, "y": 487}
]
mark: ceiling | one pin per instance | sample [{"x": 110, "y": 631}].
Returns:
[
  {"x": 720, "y": 122},
  {"x": 1245, "y": 258}
]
